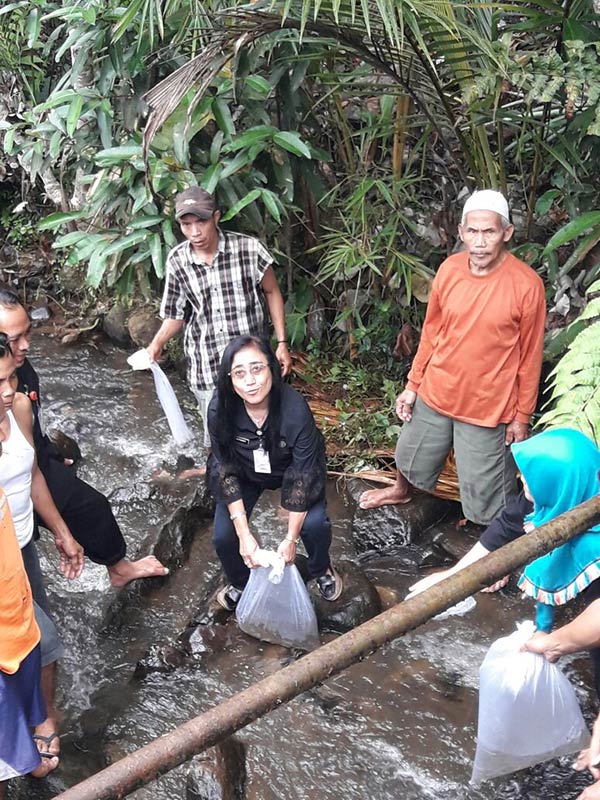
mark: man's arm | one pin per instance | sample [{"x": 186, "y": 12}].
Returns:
[
  {"x": 168, "y": 330},
  {"x": 531, "y": 344},
  {"x": 274, "y": 300}
]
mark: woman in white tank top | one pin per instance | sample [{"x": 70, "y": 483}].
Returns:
[{"x": 20, "y": 477}]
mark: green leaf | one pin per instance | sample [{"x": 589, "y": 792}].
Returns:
[
  {"x": 167, "y": 232},
  {"x": 292, "y": 143},
  {"x": 34, "y": 24},
  {"x": 260, "y": 133},
  {"x": 146, "y": 221},
  {"x": 259, "y": 87},
  {"x": 54, "y": 221},
  {"x": 57, "y": 98},
  {"x": 572, "y": 230},
  {"x": 210, "y": 178},
  {"x": 69, "y": 239},
  {"x": 125, "y": 242},
  {"x": 156, "y": 254},
  {"x": 223, "y": 117},
  {"x": 544, "y": 203},
  {"x": 241, "y": 204},
  {"x": 104, "y": 120},
  {"x": 9, "y": 140},
  {"x": 75, "y": 108},
  {"x": 117, "y": 155},
  {"x": 229, "y": 167},
  {"x": 96, "y": 269},
  {"x": 270, "y": 202}
]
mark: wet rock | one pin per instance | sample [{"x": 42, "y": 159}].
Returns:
[
  {"x": 115, "y": 326},
  {"x": 391, "y": 526},
  {"x": 389, "y": 597},
  {"x": 160, "y": 658},
  {"x": 41, "y": 314},
  {"x": 219, "y": 773},
  {"x": 142, "y": 326},
  {"x": 176, "y": 535},
  {"x": 66, "y": 446},
  {"x": 359, "y": 601},
  {"x": 171, "y": 545}
]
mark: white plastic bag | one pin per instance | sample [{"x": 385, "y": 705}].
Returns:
[
  {"x": 168, "y": 400},
  {"x": 278, "y": 609},
  {"x": 528, "y": 711}
]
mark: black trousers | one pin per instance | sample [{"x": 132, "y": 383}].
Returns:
[
  {"x": 87, "y": 513},
  {"x": 315, "y": 534}
]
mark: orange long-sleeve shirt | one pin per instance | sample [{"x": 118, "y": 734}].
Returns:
[
  {"x": 19, "y": 632},
  {"x": 480, "y": 355}
]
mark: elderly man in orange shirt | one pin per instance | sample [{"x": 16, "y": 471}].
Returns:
[{"x": 474, "y": 381}]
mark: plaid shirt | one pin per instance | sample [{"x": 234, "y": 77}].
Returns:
[{"x": 218, "y": 301}]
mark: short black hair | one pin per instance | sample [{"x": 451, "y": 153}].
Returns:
[
  {"x": 8, "y": 297},
  {"x": 5, "y": 348}
]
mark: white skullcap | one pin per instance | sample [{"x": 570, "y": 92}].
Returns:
[{"x": 486, "y": 200}]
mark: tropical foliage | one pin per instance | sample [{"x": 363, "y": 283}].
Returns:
[{"x": 343, "y": 133}]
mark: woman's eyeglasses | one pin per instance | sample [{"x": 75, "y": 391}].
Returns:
[{"x": 255, "y": 369}]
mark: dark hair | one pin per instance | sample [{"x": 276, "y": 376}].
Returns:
[
  {"x": 5, "y": 348},
  {"x": 230, "y": 402},
  {"x": 8, "y": 297}
]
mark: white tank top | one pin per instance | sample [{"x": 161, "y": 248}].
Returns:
[{"x": 16, "y": 463}]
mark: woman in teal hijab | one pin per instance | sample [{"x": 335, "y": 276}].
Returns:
[{"x": 560, "y": 470}]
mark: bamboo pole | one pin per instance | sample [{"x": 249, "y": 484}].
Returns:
[{"x": 168, "y": 751}]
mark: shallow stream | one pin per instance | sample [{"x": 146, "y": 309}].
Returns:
[{"x": 400, "y": 725}]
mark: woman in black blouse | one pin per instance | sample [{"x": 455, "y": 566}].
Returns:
[{"x": 263, "y": 436}]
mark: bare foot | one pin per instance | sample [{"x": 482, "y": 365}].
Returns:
[
  {"x": 193, "y": 472},
  {"x": 46, "y": 738},
  {"x": 388, "y": 496},
  {"x": 125, "y": 571},
  {"x": 48, "y": 764}
]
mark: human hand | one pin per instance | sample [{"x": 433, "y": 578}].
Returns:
[
  {"x": 587, "y": 758},
  {"x": 287, "y": 550},
  {"x": 516, "y": 432},
  {"x": 154, "y": 350},
  {"x": 428, "y": 581},
  {"x": 285, "y": 360},
  {"x": 68, "y": 462},
  {"x": 591, "y": 793},
  {"x": 404, "y": 405},
  {"x": 70, "y": 554},
  {"x": 248, "y": 548},
  {"x": 496, "y": 586},
  {"x": 544, "y": 644}
]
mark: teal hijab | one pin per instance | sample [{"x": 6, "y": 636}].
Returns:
[{"x": 560, "y": 467}]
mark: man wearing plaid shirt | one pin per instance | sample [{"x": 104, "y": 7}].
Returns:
[{"x": 216, "y": 286}]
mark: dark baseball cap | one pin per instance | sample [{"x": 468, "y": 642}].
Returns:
[{"x": 194, "y": 201}]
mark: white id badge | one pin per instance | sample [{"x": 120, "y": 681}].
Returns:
[{"x": 261, "y": 461}]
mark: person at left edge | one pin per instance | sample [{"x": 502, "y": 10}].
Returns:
[
  {"x": 216, "y": 288},
  {"x": 263, "y": 436},
  {"x": 86, "y": 511}
]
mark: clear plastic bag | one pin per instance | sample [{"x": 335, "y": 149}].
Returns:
[
  {"x": 280, "y": 613},
  {"x": 528, "y": 710},
  {"x": 167, "y": 397}
]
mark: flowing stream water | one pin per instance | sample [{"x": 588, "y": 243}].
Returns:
[{"x": 400, "y": 725}]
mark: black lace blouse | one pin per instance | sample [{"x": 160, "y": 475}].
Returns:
[{"x": 297, "y": 457}]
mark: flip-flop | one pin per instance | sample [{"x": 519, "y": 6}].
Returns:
[{"x": 38, "y": 737}]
